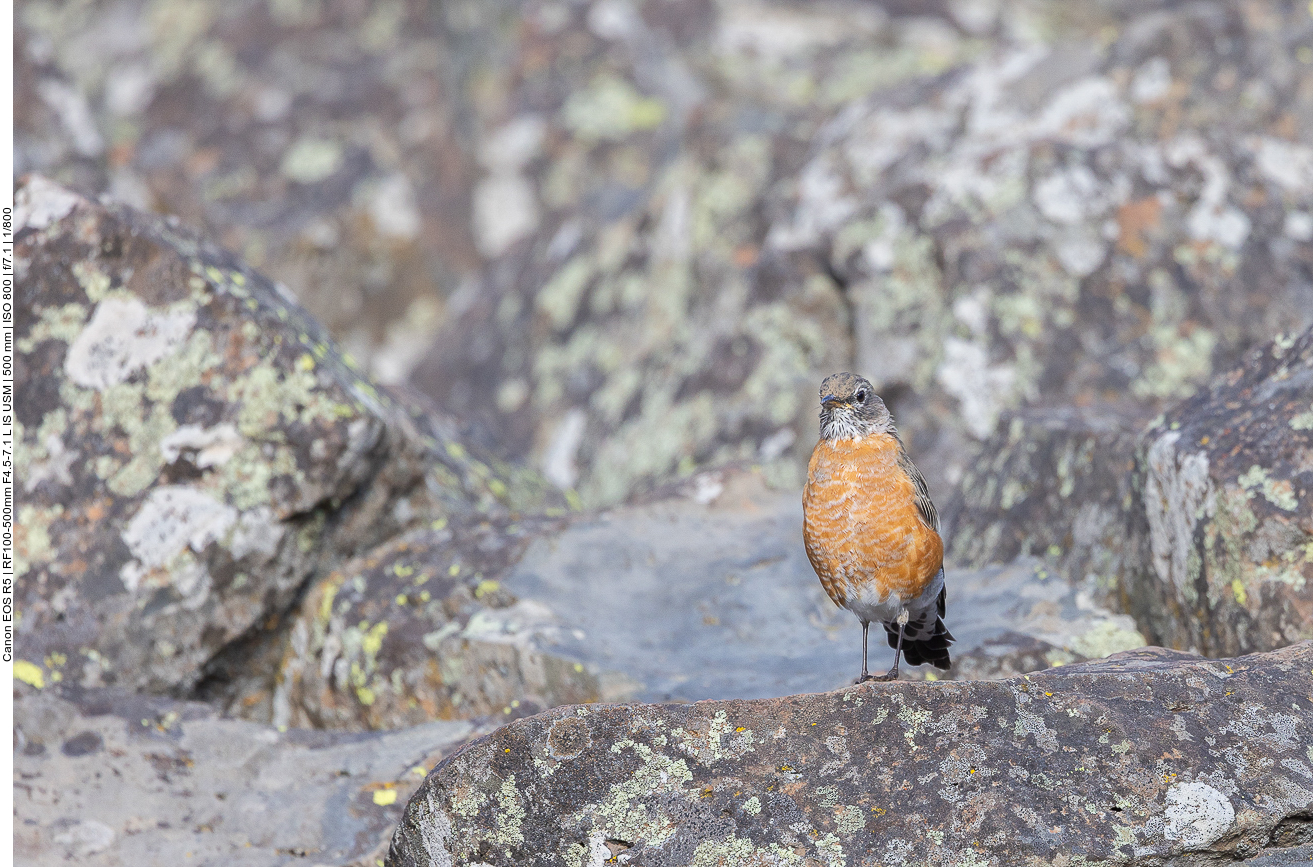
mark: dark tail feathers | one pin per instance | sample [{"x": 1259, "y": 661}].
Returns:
[{"x": 924, "y": 641}]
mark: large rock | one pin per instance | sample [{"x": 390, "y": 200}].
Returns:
[
  {"x": 192, "y": 448},
  {"x": 322, "y": 143},
  {"x": 415, "y": 631},
  {"x": 645, "y": 230},
  {"x": 1225, "y": 489},
  {"x": 1053, "y": 483},
  {"x": 102, "y": 777},
  {"x": 1199, "y": 525},
  {"x": 1148, "y": 758}
]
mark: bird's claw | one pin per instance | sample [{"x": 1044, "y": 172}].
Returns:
[{"x": 879, "y": 678}]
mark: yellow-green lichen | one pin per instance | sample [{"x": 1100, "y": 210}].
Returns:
[
  {"x": 611, "y": 108},
  {"x": 29, "y": 673},
  {"x": 1105, "y": 638},
  {"x": 1278, "y": 492},
  {"x": 623, "y": 814},
  {"x": 32, "y": 543},
  {"x": 55, "y": 323}
]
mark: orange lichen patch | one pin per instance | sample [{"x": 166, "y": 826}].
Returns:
[
  {"x": 1134, "y": 220},
  {"x": 860, "y": 522}
]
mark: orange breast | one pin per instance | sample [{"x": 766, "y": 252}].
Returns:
[{"x": 861, "y": 524}]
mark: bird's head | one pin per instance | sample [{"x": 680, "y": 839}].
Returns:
[{"x": 850, "y": 408}]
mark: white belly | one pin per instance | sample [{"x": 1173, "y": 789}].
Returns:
[{"x": 871, "y": 608}]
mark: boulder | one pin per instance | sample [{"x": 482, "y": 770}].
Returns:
[
  {"x": 417, "y": 630},
  {"x": 103, "y": 777},
  {"x": 1198, "y": 525},
  {"x": 321, "y": 143},
  {"x": 191, "y": 449},
  {"x": 1224, "y": 485},
  {"x": 1150, "y": 757},
  {"x": 977, "y": 217},
  {"x": 631, "y": 237},
  {"x": 1053, "y": 483}
]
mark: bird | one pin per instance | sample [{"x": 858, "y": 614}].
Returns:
[{"x": 870, "y": 528}]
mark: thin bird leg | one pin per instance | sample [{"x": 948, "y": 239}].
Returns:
[
  {"x": 865, "y": 675},
  {"x": 892, "y": 674}
]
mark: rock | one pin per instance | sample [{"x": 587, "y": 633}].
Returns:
[
  {"x": 418, "y": 630},
  {"x": 1199, "y": 525},
  {"x": 104, "y": 777},
  {"x": 192, "y": 449},
  {"x": 1150, "y": 757},
  {"x": 642, "y": 232},
  {"x": 690, "y": 601},
  {"x": 1224, "y": 482},
  {"x": 1054, "y": 483}
]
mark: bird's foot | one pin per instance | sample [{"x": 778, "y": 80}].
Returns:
[{"x": 891, "y": 674}]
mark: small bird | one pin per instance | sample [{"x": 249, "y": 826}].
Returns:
[{"x": 871, "y": 532}]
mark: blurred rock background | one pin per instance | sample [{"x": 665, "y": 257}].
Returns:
[
  {"x": 627, "y": 238},
  {"x": 550, "y": 287}
]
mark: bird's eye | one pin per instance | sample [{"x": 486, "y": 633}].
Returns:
[{"x": 861, "y": 395}]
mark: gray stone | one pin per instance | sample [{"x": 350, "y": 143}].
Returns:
[
  {"x": 416, "y": 630},
  {"x": 1151, "y": 757},
  {"x": 1197, "y": 525},
  {"x": 171, "y": 783}
]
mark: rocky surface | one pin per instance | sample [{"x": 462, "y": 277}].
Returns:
[
  {"x": 102, "y": 777},
  {"x": 1225, "y": 482},
  {"x": 1150, "y": 757},
  {"x": 948, "y": 207},
  {"x": 417, "y": 630},
  {"x": 704, "y": 592},
  {"x": 321, "y": 142},
  {"x": 192, "y": 448},
  {"x": 1051, "y": 483},
  {"x": 1198, "y": 524}
]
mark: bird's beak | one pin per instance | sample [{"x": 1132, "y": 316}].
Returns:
[{"x": 828, "y": 400}]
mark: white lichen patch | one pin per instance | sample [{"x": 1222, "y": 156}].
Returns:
[
  {"x": 1197, "y": 815},
  {"x": 1176, "y": 493},
  {"x": 41, "y": 202},
  {"x": 173, "y": 519},
  {"x": 205, "y": 447},
  {"x": 123, "y": 337},
  {"x": 723, "y": 740}
]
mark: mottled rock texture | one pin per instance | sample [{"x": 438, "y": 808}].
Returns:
[
  {"x": 192, "y": 448},
  {"x": 1224, "y": 482},
  {"x": 645, "y": 230},
  {"x": 1199, "y": 525},
  {"x": 1152, "y": 757},
  {"x": 1054, "y": 483},
  {"x": 416, "y": 630},
  {"x": 102, "y": 777},
  {"x": 1069, "y": 207},
  {"x": 322, "y": 142}
]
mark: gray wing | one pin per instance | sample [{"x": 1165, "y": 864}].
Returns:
[{"x": 923, "y": 504}]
